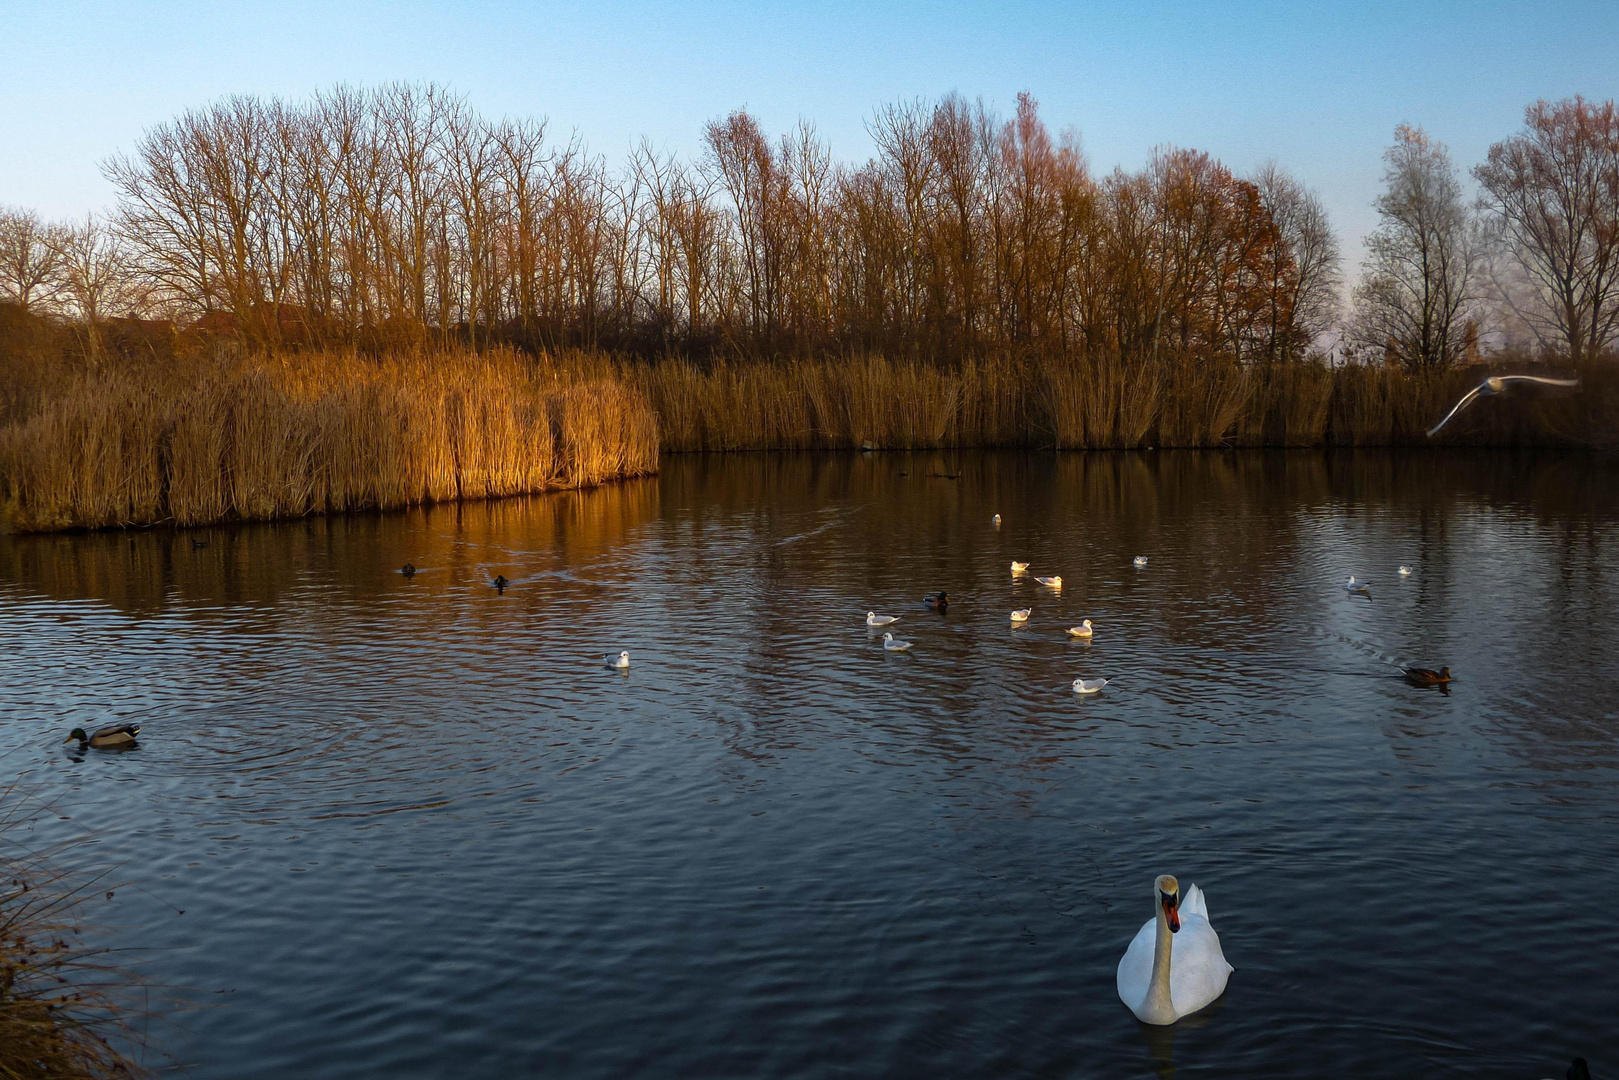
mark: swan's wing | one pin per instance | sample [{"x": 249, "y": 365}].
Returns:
[
  {"x": 1467, "y": 399},
  {"x": 1196, "y": 903},
  {"x": 1197, "y": 968},
  {"x": 1135, "y": 968}
]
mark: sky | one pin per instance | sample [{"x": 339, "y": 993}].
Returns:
[{"x": 1318, "y": 87}]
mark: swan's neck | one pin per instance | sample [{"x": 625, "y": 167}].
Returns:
[{"x": 1158, "y": 1008}]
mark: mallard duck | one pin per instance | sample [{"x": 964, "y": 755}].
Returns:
[
  {"x": 940, "y": 599},
  {"x": 1022, "y": 615},
  {"x": 500, "y": 582},
  {"x": 1139, "y": 561},
  {"x": 198, "y": 545},
  {"x": 110, "y": 736},
  {"x": 1082, "y": 630},
  {"x": 408, "y": 570},
  {"x": 1050, "y": 582},
  {"x": 894, "y": 644},
  {"x": 875, "y": 620},
  {"x": 1427, "y": 676},
  {"x": 1019, "y": 567},
  {"x": 618, "y": 660}
]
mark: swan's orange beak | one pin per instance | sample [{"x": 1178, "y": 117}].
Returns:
[{"x": 1171, "y": 911}]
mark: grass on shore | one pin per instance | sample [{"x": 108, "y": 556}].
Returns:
[{"x": 304, "y": 433}]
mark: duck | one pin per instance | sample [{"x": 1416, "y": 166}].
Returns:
[
  {"x": 1019, "y": 568},
  {"x": 105, "y": 738},
  {"x": 1427, "y": 676},
  {"x": 874, "y": 620},
  {"x": 1089, "y": 686},
  {"x": 408, "y": 570},
  {"x": 996, "y": 521},
  {"x": 618, "y": 660},
  {"x": 1084, "y": 630},
  {"x": 939, "y": 600},
  {"x": 1139, "y": 561},
  {"x": 1578, "y": 1069},
  {"x": 1050, "y": 582},
  {"x": 1362, "y": 587},
  {"x": 1022, "y": 614},
  {"x": 198, "y": 545},
  {"x": 894, "y": 644},
  {"x": 1174, "y": 965},
  {"x": 1405, "y": 571},
  {"x": 500, "y": 582}
]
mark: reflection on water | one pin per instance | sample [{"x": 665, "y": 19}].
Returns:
[{"x": 417, "y": 828}]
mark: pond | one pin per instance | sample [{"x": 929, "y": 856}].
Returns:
[{"x": 390, "y": 826}]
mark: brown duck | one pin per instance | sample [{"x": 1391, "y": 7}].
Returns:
[{"x": 1427, "y": 676}]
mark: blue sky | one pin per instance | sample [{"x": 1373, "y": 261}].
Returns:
[{"x": 1317, "y": 86}]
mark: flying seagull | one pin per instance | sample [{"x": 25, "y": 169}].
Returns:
[{"x": 1496, "y": 384}]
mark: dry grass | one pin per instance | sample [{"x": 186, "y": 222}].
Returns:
[{"x": 306, "y": 433}]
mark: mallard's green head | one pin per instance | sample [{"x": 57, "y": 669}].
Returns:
[{"x": 77, "y": 734}]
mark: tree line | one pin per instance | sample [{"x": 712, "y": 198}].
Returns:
[{"x": 400, "y": 216}]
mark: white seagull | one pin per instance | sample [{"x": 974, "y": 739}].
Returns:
[
  {"x": 894, "y": 644},
  {"x": 621, "y": 660},
  {"x": 1050, "y": 582},
  {"x": 1089, "y": 686},
  {"x": 1496, "y": 384},
  {"x": 1353, "y": 586},
  {"x": 1019, "y": 567},
  {"x": 997, "y": 520},
  {"x": 1405, "y": 571},
  {"x": 1174, "y": 965},
  {"x": 1082, "y": 630},
  {"x": 1022, "y": 614},
  {"x": 1140, "y": 561},
  {"x": 875, "y": 620}
]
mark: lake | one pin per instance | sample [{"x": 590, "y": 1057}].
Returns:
[{"x": 417, "y": 828}]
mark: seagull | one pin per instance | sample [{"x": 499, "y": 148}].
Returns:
[
  {"x": 1354, "y": 586},
  {"x": 875, "y": 620},
  {"x": 622, "y": 660},
  {"x": 1019, "y": 567},
  {"x": 1405, "y": 571},
  {"x": 1050, "y": 582},
  {"x": 1089, "y": 686},
  {"x": 894, "y": 644},
  {"x": 1140, "y": 561},
  {"x": 1022, "y": 614},
  {"x": 1082, "y": 630},
  {"x": 997, "y": 520},
  {"x": 1496, "y": 384}
]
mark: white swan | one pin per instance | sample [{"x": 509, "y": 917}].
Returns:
[
  {"x": 1019, "y": 567},
  {"x": 1089, "y": 686},
  {"x": 874, "y": 620},
  {"x": 1353, "y": 586},
  {"x": 894, "y": 644},
  {"x": 1022, "y": 614},
  {"x": 1174, "y": 967},
  {"x": 997, "y": 520},
  {"x": 1050, "y": 582},
  {"x": 622, "y": 660},
  {"x": 1140, "y": 561},
  {"x": 1082, "y": 630},
  {"x": 1405, "y": 571}
]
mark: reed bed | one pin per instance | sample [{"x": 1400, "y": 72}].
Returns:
[
  {"x": 272, "y": 437},
  {"x": 1065, "y": 403}
]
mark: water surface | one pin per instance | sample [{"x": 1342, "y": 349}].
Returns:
[{"x": 417, "y": 829}]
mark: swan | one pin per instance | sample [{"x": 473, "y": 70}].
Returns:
[
  {"x": 1353, "y": 586},
  {"x": 1405, "y": 571},
  {"x": 1019, "y": 567},
  {"x": 1174, "y": 967},
  {"x": 1089, "y": 686},
  {"x": 1140, "y": 561},
  {"x": 622, "y": 660},
  {"x": 1022, "y": 614},
  {"x": 1082, "y": 630},
  {"x": 996, "y": 520},
  {"x": 1050, "y": 582},
  {"x": 1496, "y": 384},
  {"x": 873, "y": 619},
  {"x": 894, "y": 644},
  {"x": 106, "y": 737}
]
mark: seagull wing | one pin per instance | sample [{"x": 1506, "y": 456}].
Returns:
[
  {"x": 1540, "y": 379},
  {"x": 1466, "y": 400}
]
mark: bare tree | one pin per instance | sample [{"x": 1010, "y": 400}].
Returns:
[
  {"x": 96, "y": 277},
  {"x": 29, "y": 260},
  {"x": 1421, "y": 274},
  {"x": 1552, "y": 192},
  {"x": 1309, "y": 301}
]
